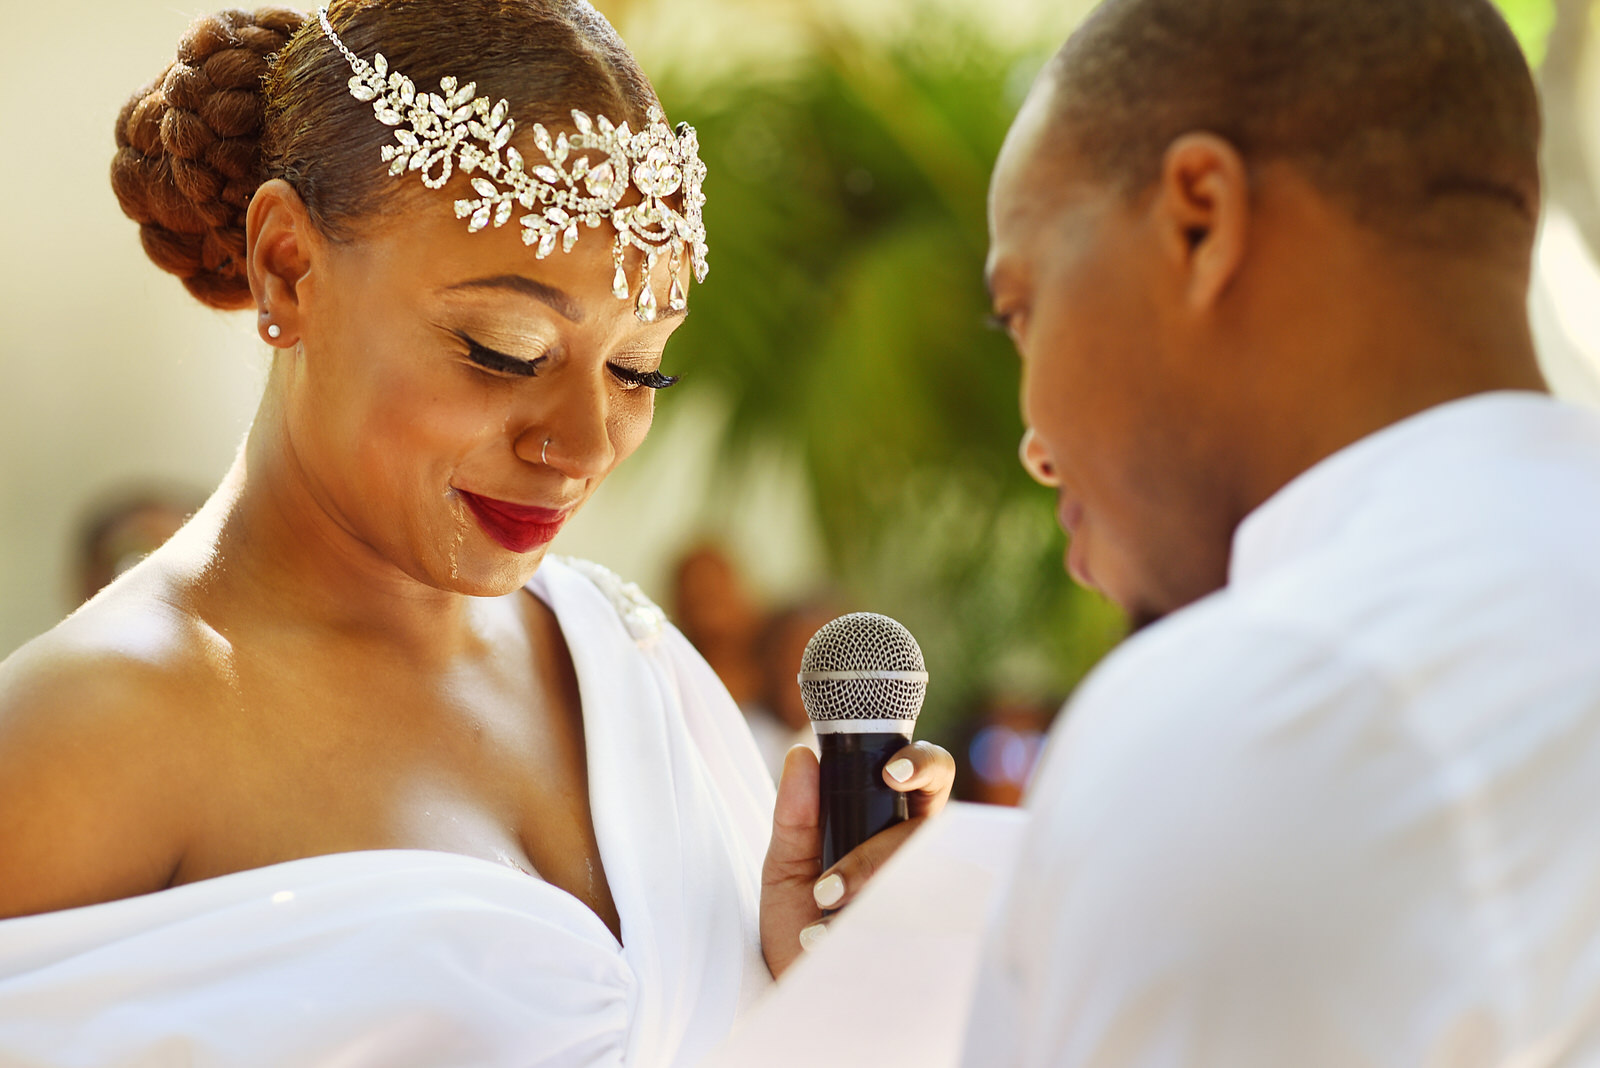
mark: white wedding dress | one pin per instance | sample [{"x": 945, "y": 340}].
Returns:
[{"x": 413, "y": 957}]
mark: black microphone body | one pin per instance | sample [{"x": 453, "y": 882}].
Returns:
[
  {"x": 862, "y": 679},
  {"x": 856, "y": 802}
]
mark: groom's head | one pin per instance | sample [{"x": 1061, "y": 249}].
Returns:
[{"x": 1230, "y": 236}]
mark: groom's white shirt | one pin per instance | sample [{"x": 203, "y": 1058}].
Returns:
[{"x": 1346, "y": 811}]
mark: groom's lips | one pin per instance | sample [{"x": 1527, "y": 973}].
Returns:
[
  {"x": 1070, "y": 515},
  {"x": 518, "y": 527}
]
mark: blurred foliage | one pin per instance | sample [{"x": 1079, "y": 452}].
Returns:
[
  {"x": 845, "y": 320},
  {"x": 1531, "y": 21},
  {"x": 845, "y": 317}
]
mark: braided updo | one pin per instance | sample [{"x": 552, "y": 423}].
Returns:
[
  {"x": 258, "y": 95},
  {"x": 189, "y": 151}
]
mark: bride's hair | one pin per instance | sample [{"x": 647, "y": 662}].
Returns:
[{"x": 260, "y": 95}]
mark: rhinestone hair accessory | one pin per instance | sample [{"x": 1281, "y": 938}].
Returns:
[
  {"x": 437, "y": 133},
  {"x": 862, "y": 672}
]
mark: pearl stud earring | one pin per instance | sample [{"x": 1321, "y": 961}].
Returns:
[{"x": 274, "y": 331}]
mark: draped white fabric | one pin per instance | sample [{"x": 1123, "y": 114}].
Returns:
[{"x": 420, "y": 958}]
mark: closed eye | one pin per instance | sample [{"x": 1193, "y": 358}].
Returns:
[
  {"x": 498, "y": 362},
  {"x": 632, "y": 379}
]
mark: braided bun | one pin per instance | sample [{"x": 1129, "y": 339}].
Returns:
[{"x": 189, "y": 151}]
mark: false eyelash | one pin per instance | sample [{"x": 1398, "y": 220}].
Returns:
[
  {"x": 499, "y": 362},
  {"x": 491, "y": 360},
  {"x": 647, "y": 379}
]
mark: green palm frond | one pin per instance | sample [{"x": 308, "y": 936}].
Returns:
[{"x": 845, "y": 316}]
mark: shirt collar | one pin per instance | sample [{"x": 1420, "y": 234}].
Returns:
[{"x": 1314, "y": 506}]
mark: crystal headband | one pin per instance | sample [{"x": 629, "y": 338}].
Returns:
[{"x": 457, "y": 128}]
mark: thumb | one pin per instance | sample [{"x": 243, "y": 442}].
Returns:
[{"x": 795, "y": 851}]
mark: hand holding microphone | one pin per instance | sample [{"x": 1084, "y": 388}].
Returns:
[{"x": 862, "y": 679}]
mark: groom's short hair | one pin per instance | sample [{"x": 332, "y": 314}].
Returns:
[{"x": 1388, "y": 106}]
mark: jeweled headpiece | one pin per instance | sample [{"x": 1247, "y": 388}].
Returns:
[{"x": 439, "y": 132}]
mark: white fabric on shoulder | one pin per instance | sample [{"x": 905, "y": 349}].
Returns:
[
  {"x": 389, "y": 957},
  {"x": 396, "y": 958},
  {"x": 682, "y": 807}
]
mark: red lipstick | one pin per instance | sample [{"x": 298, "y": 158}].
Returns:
[{"x": 518, "y": 527}]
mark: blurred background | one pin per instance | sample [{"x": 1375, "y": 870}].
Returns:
[{"x": 845, "y": 434}]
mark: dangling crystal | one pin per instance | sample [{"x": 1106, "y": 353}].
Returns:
[
  {"x": 619, "y": 284},
  {"x": 646, "y": 308},
  {"x": 675, "y": 298}
]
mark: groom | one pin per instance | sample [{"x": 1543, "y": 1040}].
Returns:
[{"x": 1338, "y": 802}]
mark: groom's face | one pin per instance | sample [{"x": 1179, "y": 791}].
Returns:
[{"x": 1077, "y": 278}]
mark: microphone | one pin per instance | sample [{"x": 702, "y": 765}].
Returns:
[{"x": 862, "y": 680}]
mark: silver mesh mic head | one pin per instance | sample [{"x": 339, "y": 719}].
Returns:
[{"x": 862, "y": 672}]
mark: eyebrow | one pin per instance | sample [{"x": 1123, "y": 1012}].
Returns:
[{"x": 558, "y": 299}]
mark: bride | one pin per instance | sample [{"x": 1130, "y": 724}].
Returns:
[{"x": 350, "y": 771}]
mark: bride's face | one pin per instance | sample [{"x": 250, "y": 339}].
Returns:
[{"x": 455, "y": 399}]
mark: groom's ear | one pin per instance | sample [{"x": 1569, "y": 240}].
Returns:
[{"x": 1201, "y": 211}]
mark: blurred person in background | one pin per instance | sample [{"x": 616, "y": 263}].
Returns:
[
  {"x": 124, "y": 529},
  {"x": 348, "y": 769},
  {"x": 1003, "y": 744},
  {"x": 779, "y": 721},
  {"x": 1266, "y": 264},
  {"x": 713, "y": 606}
]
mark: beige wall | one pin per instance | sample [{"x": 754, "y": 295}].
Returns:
[{"x": 108, "y": 371}]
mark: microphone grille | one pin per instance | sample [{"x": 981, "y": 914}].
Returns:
[{"x": 883, "y": 672}]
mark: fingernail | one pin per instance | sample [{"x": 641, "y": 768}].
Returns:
[
  {"x": 811, "y": 936},
  {"x": 828, "y": 891},
  {"x": 900, "y": 770}
]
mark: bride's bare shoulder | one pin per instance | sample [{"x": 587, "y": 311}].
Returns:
[{"x": 93, "y": 757}]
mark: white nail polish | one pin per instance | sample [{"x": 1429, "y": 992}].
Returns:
[
  {"x": 828, "y": 891},
  {"x": 811, "y": 936},
  {"x": 900, "y": 770}
]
